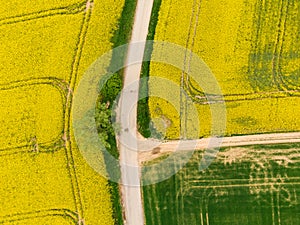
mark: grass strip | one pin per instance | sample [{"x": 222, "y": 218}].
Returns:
[
  {"x": 143, "y": 115},
  {"x": 109, "y": 93}
]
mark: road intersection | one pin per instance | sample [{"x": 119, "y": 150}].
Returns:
[{"x": 134, "y": 149}]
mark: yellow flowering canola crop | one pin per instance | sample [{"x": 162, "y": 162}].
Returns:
[
  {"x": 252, "y": 48},
  {"x": 45, "y": 48}
]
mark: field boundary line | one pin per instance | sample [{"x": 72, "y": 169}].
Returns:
[{"x": 71, "y": 9}]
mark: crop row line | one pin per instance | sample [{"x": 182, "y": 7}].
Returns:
[
  {"x": 67, "y": 126},
  {"x": 183, "y": 96},
  {"x": 281, "y": 82},
  {"x": 281, "y": 33},
  {"x": 71, "y": 9},
  {"x": 244, "y": 185},
  {"x": 34, "y": 147},
  {"x": 278, "y": 48},
  {"x": 236, "y": 181},
  {"x": 58, "y": 83},
  {"x": 188, "y": 190},
  {"x": 257, "y": 31},
  {"x": 65, "y": 213},
  {"x": 246, "y": 97}
]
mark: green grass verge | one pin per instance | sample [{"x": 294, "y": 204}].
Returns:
[
  {"x": 143, "y": 116},
  {"x": 110, "y": 92}
]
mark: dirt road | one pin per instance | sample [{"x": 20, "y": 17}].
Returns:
[
  {"x": 127, "y": 114},
  {"x": 201, "y": 144}
]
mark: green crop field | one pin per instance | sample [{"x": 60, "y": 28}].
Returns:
[{"x": 256, "y": 185}]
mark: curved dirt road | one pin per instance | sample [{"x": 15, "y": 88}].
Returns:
[{"x": 127, "y": 114}]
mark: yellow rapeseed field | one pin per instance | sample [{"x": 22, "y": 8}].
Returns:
[
  {"x": 252, "y": 48},
  {"x": 45, "y": 48},
  {"x": 13, "y": 9},
  {"x": 26, "y": 118},
  {"x": 28, "y": 53}
]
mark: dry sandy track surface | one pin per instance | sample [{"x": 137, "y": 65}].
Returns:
[
  {"x": 163, "y": 148},
  {"x": 127, "y": 114}
]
